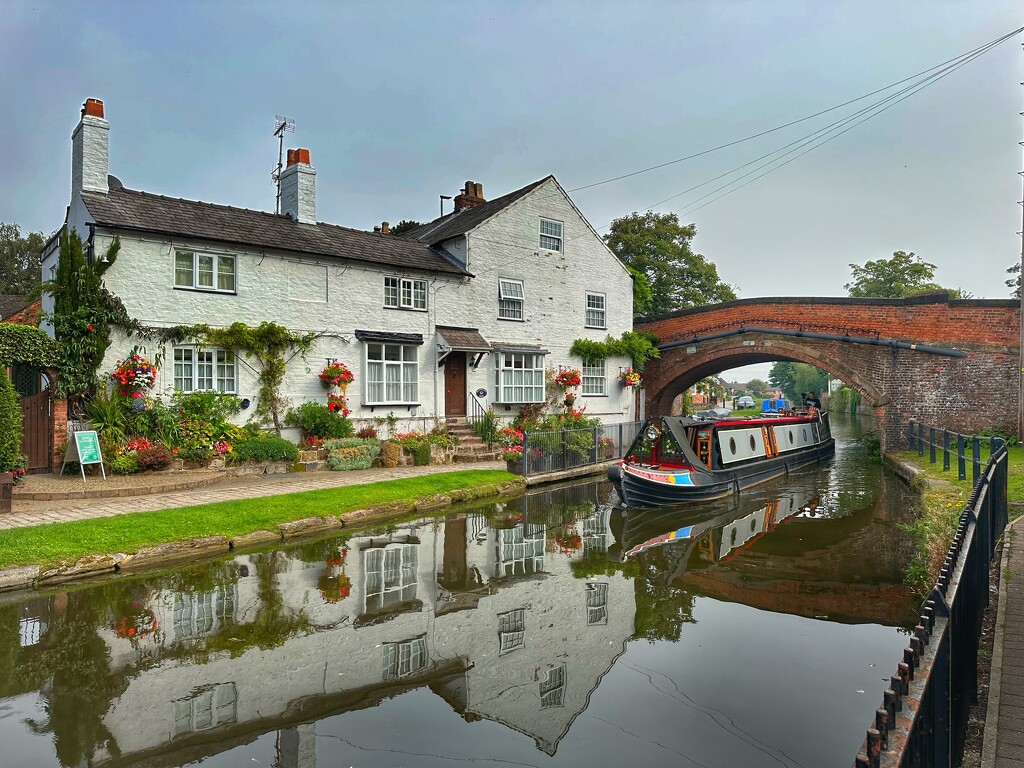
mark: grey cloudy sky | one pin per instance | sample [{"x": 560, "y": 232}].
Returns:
[{"x": 399, "y": 102}]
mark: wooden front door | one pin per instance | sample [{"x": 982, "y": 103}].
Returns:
[
  {"x": 35, "y": 441},
  {"x": 455, "y": 385}
]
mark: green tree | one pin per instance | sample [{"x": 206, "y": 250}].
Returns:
[
  {"x": 405, "y": 225},
  {"x": 795, "y": 379},
  {"x": 1014, "y": 282},
  {"x": 658, "y": 247},
  {"x": 19, "y": 260},
  {"x": 902, "y": 275},
  {"x": 757, "y": 387},
  {"x": 10, "y": 425}
]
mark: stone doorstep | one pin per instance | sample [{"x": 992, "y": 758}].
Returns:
[{"x": 27, "y": 576}]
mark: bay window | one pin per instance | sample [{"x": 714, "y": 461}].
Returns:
[
  {"x": 392, "y": 374},
  {"x": 519, "y": 377}
]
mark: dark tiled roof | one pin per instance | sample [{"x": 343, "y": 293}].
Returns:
[
  {"x": 130, "y": 209},
  {"x": 463, "y": 339},
  {"x": 10, "y": 304},
  {"x": 459, "y": 223},
  {"x": 397, "y": 338},
  {"x": 515, "y": 346}
]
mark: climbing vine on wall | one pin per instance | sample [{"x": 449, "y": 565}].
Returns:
[
  {"x": 27, "y": 344},
  {"x": 639, "y": 347},
  {"x": 268, "y": 343},
  {"x": 83, "y": 313}
]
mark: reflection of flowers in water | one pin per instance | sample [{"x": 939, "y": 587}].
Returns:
[
  {"x": 135, "y": 626},
  {"x": 334, "y": 584},
  {"x": 568, "y": 541}
]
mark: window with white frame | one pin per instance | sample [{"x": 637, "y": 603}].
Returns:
[
  {"x": 205, "y": 370},
  {"x": 392, "y": 373},
  {"x": 210, "y": 706},
  {"x": 597, "y": 603},
  {"x": 405, "y": 293},
  {"x": 519, "y": 377},
  {"x": 390, "y": 575},
  {"x": 204, "y": 271},
  {"x": 405, "y": 658},
  {"x": 552, "y": 688},
  {"x": 550, "y": 235},
  {"x": 595, "y": 316},
  {"x": 511, "y": 630},
  {"x": 199, "y": 614},
  {"x": 519, "y": 551},
  {"x": 510, "y": 299},
  {"x": 593, "y": 377}
]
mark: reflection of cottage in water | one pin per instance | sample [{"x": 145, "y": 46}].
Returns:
[{"x": 484, "y": 612}]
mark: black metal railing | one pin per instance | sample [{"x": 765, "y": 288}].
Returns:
[
  {"x": 923, "y": 717},
  {"x": 558, "y": 450},
  {"x": 482, "y": 420},
  {"x": 920, "y": 437}
]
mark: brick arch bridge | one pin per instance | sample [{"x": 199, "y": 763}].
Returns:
[{"x": 952, "y": 363}]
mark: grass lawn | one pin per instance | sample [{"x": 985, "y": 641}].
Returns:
[
  {"x": 49, "y": 544},
  {"x": 942, "y": 502}
]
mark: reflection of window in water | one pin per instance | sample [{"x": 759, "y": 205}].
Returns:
[
  {"x": 552, "y": 689},
  {"x": 390, "y": 575},
  {"x": 512, "y": 630},
  {"x": 597, "y": 603},
  {"x": 404, "y": 658},
  {"x": 30, "y": 631},
  {"x": 211, "y": 706},
  {"x": 520, "y": 550},
  {"x": 199, "y": 614},
  {"x": 594, "y": 533}
]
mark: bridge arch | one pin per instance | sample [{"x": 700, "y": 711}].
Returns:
[{"x": 952, "y": 363}]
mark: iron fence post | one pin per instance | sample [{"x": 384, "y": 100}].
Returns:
[
  {"x": 945, "y": 450},
  {"x": 931, "y": 445},
  {"x": 526, "y": 454},
  {"x": 920, "y": 438},
  {"x": 961, "y": 468},
  {"x": 621, "y": 450},
  {"x": 975, "y": 458}
]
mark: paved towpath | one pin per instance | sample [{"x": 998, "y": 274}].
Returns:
[
  {"x": 246, "y": 487},
  {"x": 1004, "y": 722}
]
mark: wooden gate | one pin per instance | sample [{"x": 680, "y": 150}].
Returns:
[{"x": 35, "y": 442}]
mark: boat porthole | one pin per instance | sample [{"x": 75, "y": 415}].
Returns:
[
  {"x": 753, "y": 443},
  {"x": 790, "y": 435},
  {"x": 732, "y": 445},
  {"x": 805, "y": 433}
]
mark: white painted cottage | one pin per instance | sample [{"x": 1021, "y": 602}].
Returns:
[{"x": 461, "y": 314}]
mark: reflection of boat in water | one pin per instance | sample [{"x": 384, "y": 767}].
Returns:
[
  {"x": 681, "y": 537},
  {"x": 678, "y": 458}
]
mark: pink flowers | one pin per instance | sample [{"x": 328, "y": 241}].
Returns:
[
  {"x": 337, "y": 404},
  {"x": 134, "y": 374},
  {"x": 568, "y": 378},
  {"x": 630, "y": 378},
  {"x": 336, "y": 375}
]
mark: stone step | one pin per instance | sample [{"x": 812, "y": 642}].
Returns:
[{"x": 469, "y": 458}]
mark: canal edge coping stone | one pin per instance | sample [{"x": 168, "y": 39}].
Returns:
[{"x": 27, "y": 576}]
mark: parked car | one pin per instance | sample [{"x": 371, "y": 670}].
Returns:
[{"x": 745, "y": 401}]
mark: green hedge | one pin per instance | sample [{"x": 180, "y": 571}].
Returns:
[
  {"x": 25, "y": 344},
  {"x": 253, "y": 450},
  {"x": 10, "y": 426}
]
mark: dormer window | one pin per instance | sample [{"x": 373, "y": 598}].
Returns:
[{"x": 551, "y": 235}]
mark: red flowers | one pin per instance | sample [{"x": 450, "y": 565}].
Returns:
[
  {"x": 89, "y": 329},
  {"x": 336, "y": 375},
  {"x": 134, "y": 374}
]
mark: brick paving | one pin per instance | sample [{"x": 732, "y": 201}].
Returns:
[
  {"x": 1004, "y": 726},
  {"x": 247, "y": 487}
]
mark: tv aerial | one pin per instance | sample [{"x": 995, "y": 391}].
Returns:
[{"x": 282, "y": 125}]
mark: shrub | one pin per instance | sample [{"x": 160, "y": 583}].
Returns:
[
  {"x": 126, "y": 464},
  {"x": 367, "y": 432},
  {"x": 10, "y": 426},
  {"x": 389, "y": 453},
  {"x": 107, "y": 413},
  {"x": 421, "y": 454},
  {"x": 252, "y": 450},
  {"x": 195, "y": 439},
  {"x": 488, "y": 427},
  {"x": 154, "y": 457},
  {"x": 316, "y": 420},
  {"x": 212, "y": 407},
  {"x": 351, "y": 453}
]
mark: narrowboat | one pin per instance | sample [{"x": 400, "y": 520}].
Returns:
[{"x": 676, "y": 459}]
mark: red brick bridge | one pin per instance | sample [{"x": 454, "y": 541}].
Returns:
[{"x": 951, "y": 363}]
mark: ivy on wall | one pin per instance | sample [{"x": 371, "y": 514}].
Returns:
[
  {"x": 268, "y": 343},
  {"x": 638, "y": 347},
  {"x": 27, "y": 344}
]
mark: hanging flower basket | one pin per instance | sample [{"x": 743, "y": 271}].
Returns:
[
  {"x": 630, "y": 378},
  {"x": 570, "y": 399},
  {"x": 336, "y": 375},
  {"x": 134, "y": 375},
  {"x": 338, "y": 404},
  {"x": 335, "y": 588},
  {"x": 568, "y": 378}
]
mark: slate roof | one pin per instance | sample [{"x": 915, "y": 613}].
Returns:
[
  {"x": 9, "y": 304},
  {"x": 463, "y": 339},
  {"x": 124, "y": 208},
  {"x": 460, "y": 222}
]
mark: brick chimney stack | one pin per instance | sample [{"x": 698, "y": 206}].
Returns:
[
  {"x": 298, "y": 187},
  {"x": 90, "y": 155},
  {"x": 470, "y": 195},
  {"x": 385, "y": 228}
]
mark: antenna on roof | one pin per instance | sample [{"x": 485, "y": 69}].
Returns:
[{"x": 282, "y": 125}]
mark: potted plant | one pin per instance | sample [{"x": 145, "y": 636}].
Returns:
[
  {"x": 630, "y": 378},
  {"x": 336, "y": 374},
  {"x": 570, "y": 399}
]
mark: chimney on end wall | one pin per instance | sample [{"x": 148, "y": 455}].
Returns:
[
  {"x": 470, "y": 195},
  {"x": 298, "y": 187},
  {"x": 90, "y": 155}
]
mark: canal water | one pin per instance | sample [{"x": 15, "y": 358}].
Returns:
[{"x": 552, "y": 630}]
